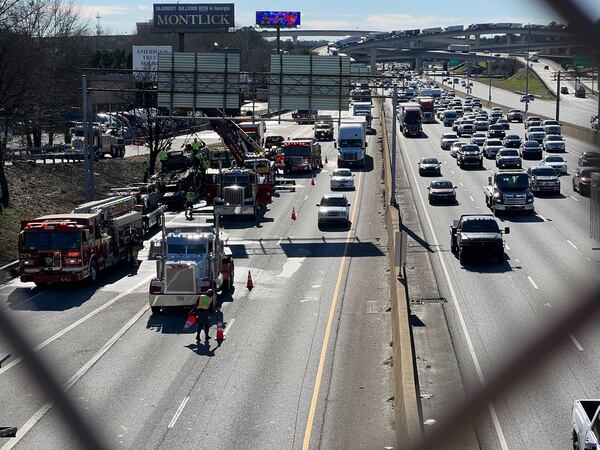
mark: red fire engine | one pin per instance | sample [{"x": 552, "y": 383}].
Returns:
[
  {"x": 299, "y": 155},
  {"x": 72, "y": 247}
]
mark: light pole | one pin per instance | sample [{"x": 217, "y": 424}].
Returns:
[
  {"x": 527, "y": 69},
  {"x": 394, "y": 124},
  {"x": 489, "y": 67}
]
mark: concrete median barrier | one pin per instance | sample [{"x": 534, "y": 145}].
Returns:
[
  {"x": 9, "y": 271},
  {"x": 406, "y": 404}
]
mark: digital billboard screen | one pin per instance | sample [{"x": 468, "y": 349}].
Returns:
[{"x": 278, "y": 19}]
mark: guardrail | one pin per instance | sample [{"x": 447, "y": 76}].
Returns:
[{"x": 9, "y": 271}]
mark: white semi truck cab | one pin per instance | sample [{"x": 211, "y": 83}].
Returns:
[{"x": 352, "y": 142}]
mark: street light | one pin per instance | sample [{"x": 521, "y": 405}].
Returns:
[{"x": 527, "y": 69}]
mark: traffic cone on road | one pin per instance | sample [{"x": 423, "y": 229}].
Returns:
[
  {"x": 249, "y": 283},
  {"x": 293, "y": 213},
  {"x": 312, "y": 181},
  {"x": 220, "y": 335}
]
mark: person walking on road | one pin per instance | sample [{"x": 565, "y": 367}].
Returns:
[
  {"x": 163, "y": 156},
  {"x": 190, "y": 199},
  {"x": 203, "y": 310}
]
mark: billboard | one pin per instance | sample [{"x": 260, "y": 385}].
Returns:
[
  {"x": 145, "y": 57},
  {"x": 192, "y": 17},
  {"x": 278, "y": 19}
]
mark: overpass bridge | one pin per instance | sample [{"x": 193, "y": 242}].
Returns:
[{"x": 295, "y": 34}]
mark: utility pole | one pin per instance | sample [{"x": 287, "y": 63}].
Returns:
[
  {"x": 527, "y": 69},
  {"x": 489, "y": 67},
  {"x": 557, "y": 115},
  {"x": 393, "y": 201},
  {"x": 88, "y": 150}
]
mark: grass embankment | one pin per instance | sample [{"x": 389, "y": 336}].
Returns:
[
  {"x": 517, "y": 83},
  {"x": 463, "y": 69},
  {"x": 38, "y": 189}
]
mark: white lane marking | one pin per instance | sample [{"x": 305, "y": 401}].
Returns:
[
  {"x": 532, "y": 282},
  {"x": 453, "y": 173},
  {"x": 576, "y": 343},
  {"x": 279, "y": 241},
  {"x": 75, "y": 378},
  {"x": 507, "y": 247},
  {"x": 229, "y": 324},
  {"x": 76, "y": 323},
  {"x": 576, "y": 199},
  {"x": 572, "y": 245},
  {"x": 471, "y": 197},
  {"x": 25, "y": 300},
  {"x": 306, "y": 198},
  {"x": 463, "y": 324},
  {"x": 542, "y": 217},
  {"x": 461, "y": 183},
  {"x": 178, "y": 412}
]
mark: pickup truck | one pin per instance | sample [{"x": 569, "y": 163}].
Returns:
[
  {"x": 477, "y": 234},
  {"x": 586, "y": 424},
  {"x": 509, "y": 191}
]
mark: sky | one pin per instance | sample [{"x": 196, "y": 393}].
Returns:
[{"x": 119, "y": 17}]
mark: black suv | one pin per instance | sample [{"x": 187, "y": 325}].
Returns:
[
  {"x": 496, "y": 131},
  {"x": 515, "y": 115}
]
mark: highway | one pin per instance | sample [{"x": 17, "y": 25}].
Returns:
[
  {"x": 493, "y": 308},
  {"x": 304, "y": 364},
  {"x": 572, "y": 110}
]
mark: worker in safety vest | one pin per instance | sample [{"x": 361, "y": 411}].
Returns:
[
  {"x": 163, "y": 156},
  {"x": 190, "y": 199},
  {"x": 203, "y": 309},
  {"x": 146, "y": 170}
]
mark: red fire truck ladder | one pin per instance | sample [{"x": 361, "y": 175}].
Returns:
[{"x": 110, "y": 207}]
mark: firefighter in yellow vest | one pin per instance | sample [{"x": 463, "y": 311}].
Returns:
[
  {"x": 204, "y": 309},
  {"x": 163, "y": 156},
  {"x": 190, "y": 199}
]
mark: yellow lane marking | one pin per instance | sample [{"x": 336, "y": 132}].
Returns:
[{"x": 317, "y": 387}]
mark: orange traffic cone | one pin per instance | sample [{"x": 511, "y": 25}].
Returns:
[
  {"x": 249, "y": 283},
  {"x": 220, "y": 335},
  {"x": 293, "y": 213},
  {"x": 312, "y": 181}
]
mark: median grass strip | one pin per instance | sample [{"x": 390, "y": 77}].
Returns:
[{"x": 517, "y": 83}]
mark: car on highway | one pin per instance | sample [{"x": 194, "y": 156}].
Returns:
[
  {"x": 469, "y": 155},
  {"x": 533, "y": 121},
  {"x": 512, "y": 141},
  {"x": 514, "y": 115},
  {"x": 449, "y": 118},
  {"x": 534, "y": 129},
  {"x": 430, "y": 166},
  {"x": 457, "y": 123},
  {"x": 481, "y": 124},
  {"x": 557, "y": 162},
  {"x": 552, "y": 129},
  {"x": 466, "y": 127},
  {"x": 543, "y": 178},
  {"x": 527, "y": 98},
  {"x": 589, "y": 159},
  {"x": 508, "y": 158},
  {"x": 536, "y": 136},
  {"x": 491, "y": 147},
  {"x": 495, "y": 116},
  {"x": 554, "y": 143},
  {"x": 447, "y": 140},
  {"x": 341, "y": 179},
  {"x": 441, "y": 191},
  {"x": 582, "y": 179},
  {"x": 580, "y": 91},
  {"x": 455, "y": 147},
  {"x": 478, "y": 138},
  {"x": 477, "y": 234},
  {"x": 564, "y": 90},
  {"x": 594, "y": 122},
  {"x": 496, "y": 131},
  {"x": 504, "y": 123},
  {"x": 530, "y": 150},
  {"x": 333, "y": 208}
]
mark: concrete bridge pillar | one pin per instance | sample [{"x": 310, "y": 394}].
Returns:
[
  {"x": 373, "y": 59},
  {"x": 418, "y": 63},
  {"x": 477, "y": 41},
  {"x": 568, "y": 51}
]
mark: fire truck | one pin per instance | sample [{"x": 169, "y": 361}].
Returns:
[
  {"x": 76, "y": 246},
  {"x": 190, "y": 259},
  {"x": 254, "y": 130},
  {"x": 103, "y": 143},
  {"x": 299, "y": 155}
]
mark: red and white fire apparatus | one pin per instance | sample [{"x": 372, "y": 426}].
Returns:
[
  {"x": 299, "y": 155},
  {"x": 72, "y": 247}
]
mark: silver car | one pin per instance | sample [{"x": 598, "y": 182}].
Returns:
[
  {"x": 333, "y": 208},
  {"x": 478, "y": 138},
  {"x": 455, "y": 147},
  {"x": 342, "y": 179},
  {"x": 557, "y": 163},
  {"x": 447, "y": 140},
  {"x": 491, "y": 147},
  {"x": 554, "y": 143}
]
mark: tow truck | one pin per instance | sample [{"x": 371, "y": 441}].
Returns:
[
  {"x": 241, "y": 193},
  {"x": 76, "y": 246},
  {"x": 109, "y": 142},
  {"x": 190, "y": 259}
]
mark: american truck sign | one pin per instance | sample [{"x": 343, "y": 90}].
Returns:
[{"x": 193, "y": 17}]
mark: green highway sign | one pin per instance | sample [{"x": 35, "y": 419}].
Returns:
[
  {"x": 580, "y": 61},
  {"x": 454, "y": 62}
]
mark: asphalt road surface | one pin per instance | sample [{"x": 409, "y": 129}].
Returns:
[
  {"x": 493, "y": 308},
  {"x": 272, "y": 384}
]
